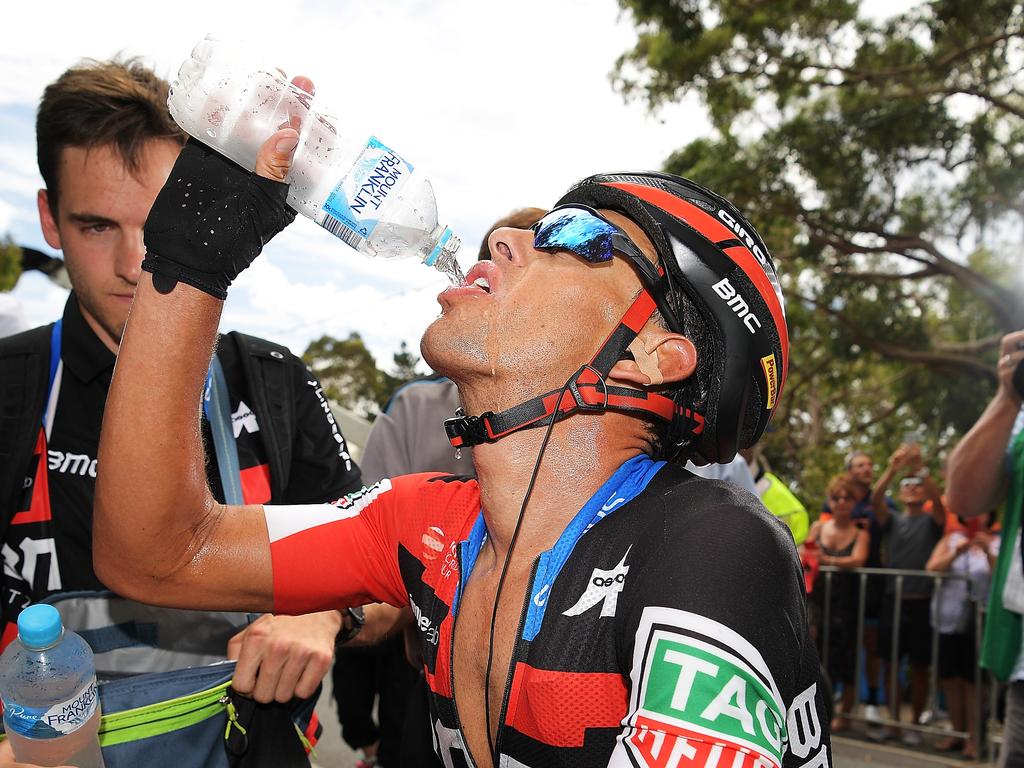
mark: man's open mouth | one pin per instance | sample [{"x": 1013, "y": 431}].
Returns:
[{"x": 484, "y": 275}]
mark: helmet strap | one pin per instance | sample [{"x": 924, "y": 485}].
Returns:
[{"x": 587, "y": 392}]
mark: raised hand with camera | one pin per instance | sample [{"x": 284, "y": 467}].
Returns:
[{"x": 976, "y": 480}]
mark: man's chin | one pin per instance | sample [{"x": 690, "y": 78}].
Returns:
[
  {"x": 448, "y": 349},
  {"x": 433, "y": 347}
]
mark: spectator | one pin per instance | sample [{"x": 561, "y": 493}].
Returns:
[
  {"x": 840, "y": 543},
  {"x": 861, "y": 470},
  {"x": 969, "y": 551},
  {"x": 777, "y": 497},
  {"x": 106, "y": 144},
  {"x": 985, "y": 468},
  {"x": 736, "y": 472},
  {"x": 912, "y": 538}
]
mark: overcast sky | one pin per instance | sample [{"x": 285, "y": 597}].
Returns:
[{"x": 503, "y": 104}]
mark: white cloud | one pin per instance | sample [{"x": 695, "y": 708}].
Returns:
[{"x": 503, "y": 109}]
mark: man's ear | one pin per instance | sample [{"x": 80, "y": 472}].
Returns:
[
  {"x": 661, "y": 358},
  {"x": 51, "y": 233}
]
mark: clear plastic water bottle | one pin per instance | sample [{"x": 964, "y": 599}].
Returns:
[
  {"x": 357, "y": 188},
  {"x": 48, "y": 687}
]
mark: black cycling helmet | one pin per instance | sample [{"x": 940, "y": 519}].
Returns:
[
  {"x": 714, "y": 260},
  {"x": 715, "y": 283}
]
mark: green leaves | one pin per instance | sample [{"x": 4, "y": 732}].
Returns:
[
  {"x": 882, "y": 160},
  {"x": 10, "y": 263},
  {"x": 349, "y": 374}
]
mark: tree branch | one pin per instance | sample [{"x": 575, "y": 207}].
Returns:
[
  {"x": 932, "y": 358},
  {"x": 885, "y": 276},
  {"x": 1001, "y": 301},
  {"x": 863, "y": 427}
]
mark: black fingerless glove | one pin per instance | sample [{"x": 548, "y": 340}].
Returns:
[{"x": 210, "y": 220}]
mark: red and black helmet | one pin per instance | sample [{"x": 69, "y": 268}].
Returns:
[{"x": 715, "y": 264}]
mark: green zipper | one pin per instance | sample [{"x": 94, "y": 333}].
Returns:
[{"x": 163, "y": 717}]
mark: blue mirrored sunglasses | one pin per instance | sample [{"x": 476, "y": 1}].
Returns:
[{"x": 586, "y": 233}]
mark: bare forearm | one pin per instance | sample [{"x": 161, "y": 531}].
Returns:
[
  {"x": 942, "y": 557},
  {"x": 878, "y": 494},
  {"x": 975, "y": 480},
  {"x": 154, "y": 515}
]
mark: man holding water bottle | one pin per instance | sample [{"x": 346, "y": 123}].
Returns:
[{"x": 586, "y": 601}]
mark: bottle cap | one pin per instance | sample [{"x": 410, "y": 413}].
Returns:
[{"x": 39, "y": 626}]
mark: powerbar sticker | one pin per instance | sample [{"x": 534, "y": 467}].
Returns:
[{"x": 771, "y": 378}]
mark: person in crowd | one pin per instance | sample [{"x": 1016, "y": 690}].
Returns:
[
  {"x": 106, "y": 144},
  {"x": 860, "y": 468},
  {"x": 986, "y": 468},
  {"x": 408, "y": 436},
  {"x": 736, "y": 472},
  {"x": 838, "y": 542},
  {"x": 912, "y": 536},
  {"x": 969, "y": 550},
  {"x": 585, "y": 600},
  {"x": 777, "y": 496}
]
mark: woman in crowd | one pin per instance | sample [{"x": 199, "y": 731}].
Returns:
[
  {"x": 969, "y": 549},
  {"x": 839, "y": 542}
]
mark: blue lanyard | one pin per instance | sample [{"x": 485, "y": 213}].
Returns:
[
  {"x": 56, "y": 368},
  {"x": 216, "y": 407}
]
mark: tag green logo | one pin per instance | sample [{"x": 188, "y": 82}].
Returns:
[{"x": 715, "y": 693}]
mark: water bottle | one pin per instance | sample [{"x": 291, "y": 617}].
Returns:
[
  {"x": 357, "y": 188},
  {"x": 48, "y": 687}
]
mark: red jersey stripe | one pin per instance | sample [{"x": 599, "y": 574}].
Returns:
[
  {"x": 39, "y": 508},
  {"x": 256, "y": 484},
  {"x": 557, "y": 708}
]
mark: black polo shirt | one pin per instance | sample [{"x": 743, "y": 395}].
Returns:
[{"x": 47, "y": 547}]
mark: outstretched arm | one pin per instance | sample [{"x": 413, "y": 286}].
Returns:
[
  {"x": 975, "y": 481},
  {"x": 897, "y": 461},
  {"x": 158, "y": 534}
]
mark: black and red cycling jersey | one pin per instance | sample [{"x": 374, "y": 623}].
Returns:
[{"x": 666, "y": 627}]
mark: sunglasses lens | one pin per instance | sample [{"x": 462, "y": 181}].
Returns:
[{"x": 575, "y": 230}]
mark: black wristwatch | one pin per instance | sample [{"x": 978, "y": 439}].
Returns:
[{"x": 352, "y": 621}]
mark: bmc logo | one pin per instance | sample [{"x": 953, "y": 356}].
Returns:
[
  {"x": 71, "y": 463},
  {"x": 737, "y": 304}
]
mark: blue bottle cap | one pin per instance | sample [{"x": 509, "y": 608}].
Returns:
[{"x": 39, "y": 626}]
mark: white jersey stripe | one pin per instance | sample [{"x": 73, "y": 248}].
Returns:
[{"x": 284, "y": 520}]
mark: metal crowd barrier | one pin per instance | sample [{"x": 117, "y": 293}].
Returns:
[{"x": 893, "y": 697}]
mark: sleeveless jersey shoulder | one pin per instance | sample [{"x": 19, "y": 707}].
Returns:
[
  {"x": 714, "y": 635},
  {"x": 329, "y": 556}
]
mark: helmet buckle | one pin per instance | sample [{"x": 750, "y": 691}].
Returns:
[
  {"x": 591, "y": 404},
  {"x": 465, "y": 430}
]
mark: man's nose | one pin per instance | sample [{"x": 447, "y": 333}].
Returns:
[
  {"x": 513, "y": 246},
  {"x": 130, "y": 255}
]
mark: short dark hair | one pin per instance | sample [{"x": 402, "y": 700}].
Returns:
[
  {"x": 122, "y": 104},
  {"x": 522, "y": 218}
]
